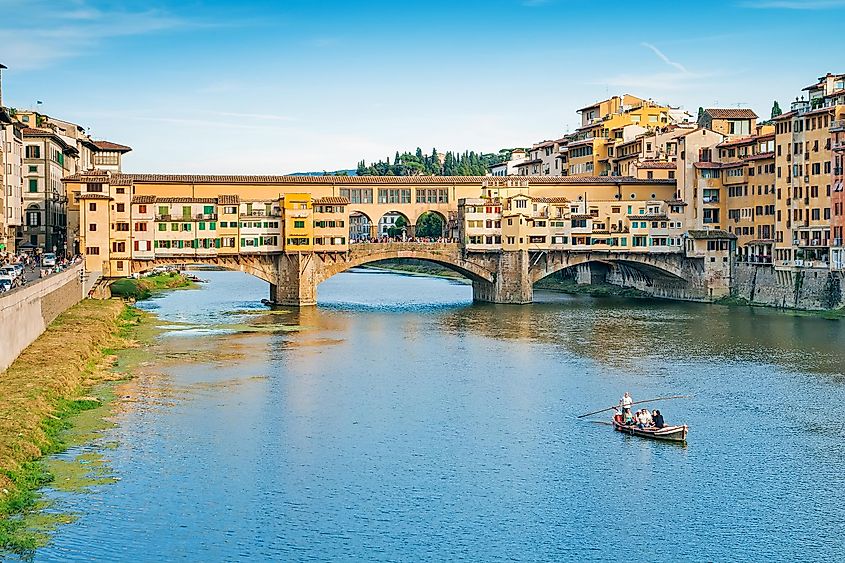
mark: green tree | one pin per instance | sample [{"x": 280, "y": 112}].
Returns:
[
  {"x": 776, "y": 111},
  {"x": 429, "y": 225},
  {"x": 396, "y": 229},
  {"x": 700, "y": 115}
]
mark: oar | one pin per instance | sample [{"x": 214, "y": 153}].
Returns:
[{"x": 637, "y": 403}]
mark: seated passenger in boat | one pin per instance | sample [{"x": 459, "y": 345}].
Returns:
[
  {"x": 658, "y": 420},
  {"x": 643, "y": 418}
]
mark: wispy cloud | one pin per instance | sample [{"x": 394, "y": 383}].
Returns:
[
  {"x": 664, "y": 58},
  {"x": 794, "y": 4},
  {"x": 49, "y": 34}
]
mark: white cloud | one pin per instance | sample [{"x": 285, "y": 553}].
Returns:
[
  {"x": 664, "y": 58},
  {"x": 49, "y": 33}
]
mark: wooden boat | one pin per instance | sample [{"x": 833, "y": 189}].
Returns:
[{"x": 667, "y": 433}]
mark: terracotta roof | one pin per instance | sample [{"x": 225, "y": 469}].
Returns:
[
  {"x": 707, "y": 165},
  {"x": 677, "y": 202},
  {"x": 527, "y": 162},
  {"x": 96, "y": 176},
  {"x": 144, "y": 199},
  {"x": 733, "y": 164},
  {"x": 186, "y": 200},
  {"x": 228, "y": 199},
  {"x": 761, "y": 156},
  {"x": 551, "y": 199},
  {"x": 735, "y": 142},
  {"x": 129, "y": 179},
  {"x": 582, "y": 216},
  {"x": 109, "y": 146},
  {"x": 650, "y": 217},
  {"x": 658, "y": 164},
  {"x": 331, "y": 200},
  {"x": 93, "y": 196},
  {"x": 710, "y": 234},
  {"x": 729, "y": 113}
]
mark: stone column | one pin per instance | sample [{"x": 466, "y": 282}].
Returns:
[
  {"x": 297, "y": 280},
  {"x": 512, "y": 283}
]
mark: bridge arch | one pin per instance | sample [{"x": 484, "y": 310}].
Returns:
[
  {"x": 389, "y": 219},
  {"x": 447, "y": 255},
  {"x": 659, "y": 266},
  {"x": 431, "y": 213},
  {"x": 361, "y": 225}
]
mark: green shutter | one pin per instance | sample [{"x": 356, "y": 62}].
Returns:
[
  {"x": 202, "y": 226},
  {"x": 208, "y": 209}
]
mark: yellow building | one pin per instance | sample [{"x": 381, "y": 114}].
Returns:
[
  {"x": 805, "y": 182},
  {"x": 298, "y": 223}
]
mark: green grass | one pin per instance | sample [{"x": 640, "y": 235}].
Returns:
[
  {"x": 144, "y": 288},
  {"x": 41, "y": 399}
]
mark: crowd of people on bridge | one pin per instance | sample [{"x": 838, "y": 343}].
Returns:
[{"x": 386, "y": 239}]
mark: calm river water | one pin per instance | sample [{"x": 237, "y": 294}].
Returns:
[{"x": 398, "y": 421}]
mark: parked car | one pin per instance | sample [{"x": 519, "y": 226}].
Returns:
[
  {"x": 18, "y": 268},
  {"x": 7, "y": 273},
  {"x": 5, "y": 285},
  {"x": 49, "y": 259}
]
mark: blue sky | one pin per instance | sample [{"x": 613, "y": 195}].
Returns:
[{"x": 271, "y": 87}]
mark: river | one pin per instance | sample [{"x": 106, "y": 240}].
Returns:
[{"x": 398, "y": 421}]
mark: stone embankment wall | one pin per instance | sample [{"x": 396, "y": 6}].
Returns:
[
  {"x": 807, "y": 289},
  {"x": 25, "y": 313}
]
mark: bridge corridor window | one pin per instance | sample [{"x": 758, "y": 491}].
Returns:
[{"x": 357, "y": 195}]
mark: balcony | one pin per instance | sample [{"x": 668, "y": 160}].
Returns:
[
  {"x": 711, "y": 199},
  {"x": 206, "y": 217},
  {"x": 837, "y": 125}
]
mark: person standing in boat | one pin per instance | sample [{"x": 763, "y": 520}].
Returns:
[{"x": 626, "y": 402}]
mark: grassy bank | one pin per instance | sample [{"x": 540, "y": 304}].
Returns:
[
  {"x": 570, "y": 286},
  {"x": 41, "y": 391},
  {"x": 413, "y": 266},
  {"x": 143, "y": 288}
]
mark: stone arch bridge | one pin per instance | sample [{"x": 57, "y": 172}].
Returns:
[{"x": 497, "y": 277}]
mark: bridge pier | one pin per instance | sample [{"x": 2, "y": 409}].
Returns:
[
  {"x": 590, "y": 273},
  {"x": 296, "y": 277},
  {"x": 512, "y": 284}
]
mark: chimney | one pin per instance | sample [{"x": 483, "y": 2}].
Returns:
[{"x": 1, "y": 85}]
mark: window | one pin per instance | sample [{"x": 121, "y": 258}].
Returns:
[
  {"x": 33, "y": 151},
  {"x": 299, "y": 224},
  {"x": 521, "y": 203},
  {"x": 33, "y": 185},
  {"x": 230, "y": 210},
  {"x": 92, "y": 250},
  {"x": 92, "y": 206},
  {"x": 162, "y": 226},
  {"x": 92, "y": 227},
  {"x": 94, "y": 188},
  {"x": 142, "y": 209},
  {"x": 33, "y": 218},
  {"x": 122, "y": 227},
  {"x": 121, "y": 207},
  {"x": 140, "y": 226}
]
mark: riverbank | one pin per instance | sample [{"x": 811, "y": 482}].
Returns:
[
  {"x": 39, "y": 393},
  {"x": 571, "y": 287},
  {"x": 421, "y": 267},
  {"x": 146, "y": 287}
]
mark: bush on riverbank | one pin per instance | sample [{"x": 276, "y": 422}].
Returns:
[
  {"x": 143, "y": 288},
  {"x": 40, "y": 391}
]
